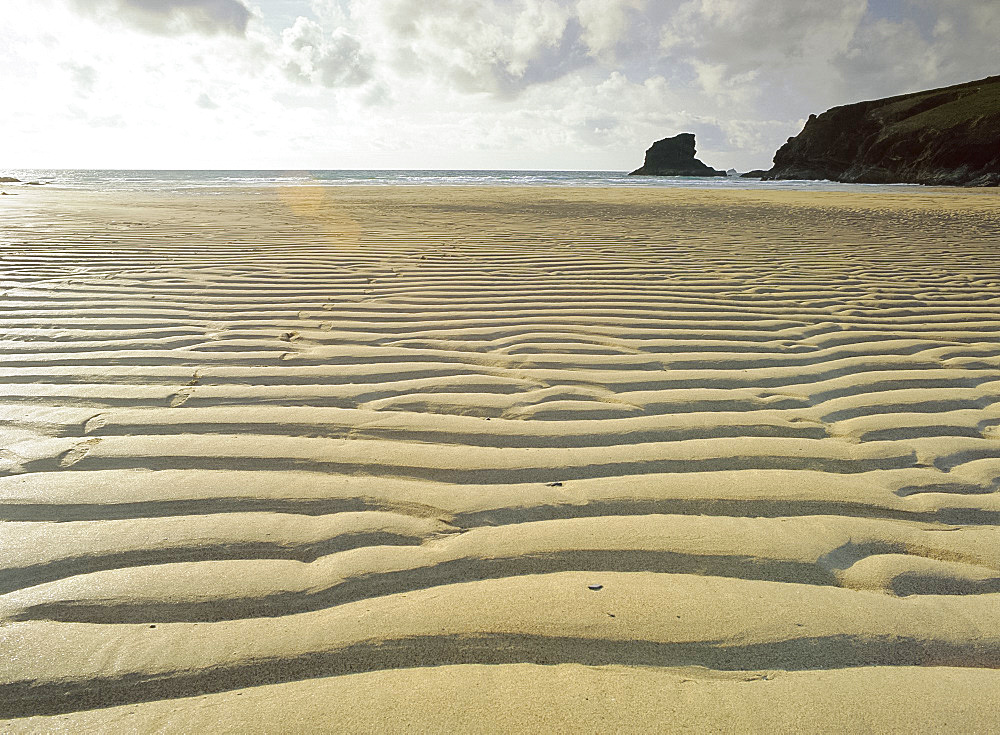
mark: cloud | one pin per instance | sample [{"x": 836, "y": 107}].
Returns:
[
  {"x": 172, "y": 17},
  {"x": 800, "y": 56},
  {"x": 605, "y": 23},
  {"x": 963, "y": 38},
  {"x": 740, "y": 50},
  {"x": 83, "y": 76},
  {"x": 489, "y": 83},
  {"x": 498, "y": 47},
  {"x": 336, "y": 59},
  {"x": 885, "y": 58}
]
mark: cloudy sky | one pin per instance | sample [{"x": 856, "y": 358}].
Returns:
[{"x": 542, "y": 84}]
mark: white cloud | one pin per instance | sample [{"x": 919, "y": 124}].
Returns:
[
  {"x": 83, "y": 77},
  {"x": 332, "y": 59},
  {"x": 746, "y": 50},
  {"x": 605, "y": 23},
  {"x": 205, "y": 102},
  {"x": 494, "y": 46},
  {"x": 173, "y": 16}
]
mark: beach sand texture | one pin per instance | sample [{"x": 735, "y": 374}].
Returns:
[{"x": 353, "y": 458}]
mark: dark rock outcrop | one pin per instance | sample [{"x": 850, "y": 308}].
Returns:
[
  {"x": 947, "y": 136},
  {"x": 9, "y": 180},
  {"x": 757, "y": 173},
  {"x": 674, "y": 157}
]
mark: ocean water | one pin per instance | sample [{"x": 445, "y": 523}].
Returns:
[{"x": 136, "y": 180}]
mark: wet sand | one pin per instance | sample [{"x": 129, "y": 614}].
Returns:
[{"x": 497, "y": 458}]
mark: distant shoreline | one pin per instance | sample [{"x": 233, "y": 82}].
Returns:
[{"x": 178, "y": 180}]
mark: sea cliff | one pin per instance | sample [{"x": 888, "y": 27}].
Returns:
[
  {"x": 674, "y": 157},
  {"x": 947, "y": 136}
]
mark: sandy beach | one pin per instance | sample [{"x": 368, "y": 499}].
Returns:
[{"x": 471, "y": 459}]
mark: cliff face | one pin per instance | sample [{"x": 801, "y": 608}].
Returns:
[
  {"x": 674, "y": 157},
  {"x": 948, "y": 136}
]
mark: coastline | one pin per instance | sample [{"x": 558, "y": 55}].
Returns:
[{"x": 181, "y": 181}]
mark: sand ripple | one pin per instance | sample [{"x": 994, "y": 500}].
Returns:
[{"x": 315, "y": 446}]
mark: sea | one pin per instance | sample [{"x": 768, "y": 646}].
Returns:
[{"x": 178, "y": 180}]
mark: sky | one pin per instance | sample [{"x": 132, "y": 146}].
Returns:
[{"x": 456, "y": 84}]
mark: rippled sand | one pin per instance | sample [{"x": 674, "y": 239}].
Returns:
[{"x": 462, "y": 458}]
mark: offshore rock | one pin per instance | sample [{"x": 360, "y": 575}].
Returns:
[
  {"x": 674, "y": 157},
  {"x": 946, "y": 136}
]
